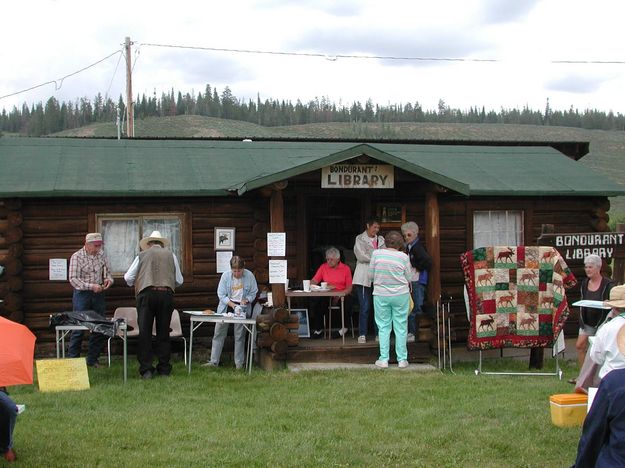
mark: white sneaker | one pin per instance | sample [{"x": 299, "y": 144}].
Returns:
[
  {"x": 342, "y": 331},
  {"x": 381, "y": 364},
  {"x": 410, "y": 338},
  {"x": 209, "y": 364},
  {"x": 362, "y": 339},
  {"x": 402, "y": 364}
]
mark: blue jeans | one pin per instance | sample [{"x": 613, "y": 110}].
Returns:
[
  {"x": 418, "y": 295},
  {"x": 88, "y": 300},
  {"x": 365, "y": 300},
  {"x": 8, "y": 414}
]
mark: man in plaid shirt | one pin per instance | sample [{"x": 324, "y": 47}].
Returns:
[{"x": 90, "y": 276}]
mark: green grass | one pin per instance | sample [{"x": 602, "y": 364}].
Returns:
[{"x": 334, "y": 418}]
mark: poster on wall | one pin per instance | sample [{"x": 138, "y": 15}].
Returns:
[
  {"x": 223, "y": 261},
  {"x": 57, "y": 269},
  {"x": 276, "y": 244},
  {"x": 277, "y": 271}
]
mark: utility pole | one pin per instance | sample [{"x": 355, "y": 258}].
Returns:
[{"x": 130, "y": 119}]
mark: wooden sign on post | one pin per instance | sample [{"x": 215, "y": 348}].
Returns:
[{"x": 577, "y": 246}]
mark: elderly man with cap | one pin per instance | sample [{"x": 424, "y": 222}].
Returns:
[
  {"x": 155, "y": 273},
  {"x": 602, "y": 442},
  {"x": 90, "y": 276},
  {"x": 608, "y": 348}
]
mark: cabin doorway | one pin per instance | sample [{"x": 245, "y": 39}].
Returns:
[{"x": 333, "y": 222}]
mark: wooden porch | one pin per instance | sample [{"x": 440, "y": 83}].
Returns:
[{"x": 333, "y": 350}]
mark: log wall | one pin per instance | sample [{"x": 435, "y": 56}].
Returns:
[
  {"x": 56, "y": 229},
  {"x": 34, "y": 230}
]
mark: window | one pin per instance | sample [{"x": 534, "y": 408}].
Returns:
[
  {"x": 122, "y": 233},
  {"x": 500, "y": 227}
]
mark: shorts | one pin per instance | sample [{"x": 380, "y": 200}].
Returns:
[{"x": 588, "y": 330}]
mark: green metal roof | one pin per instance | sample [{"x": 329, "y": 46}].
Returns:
[{"x": 33, "y": 167}]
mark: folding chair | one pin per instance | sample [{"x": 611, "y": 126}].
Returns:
[
  {"x": 130, "y": 316},
  {"x": 175, "y": 330}
]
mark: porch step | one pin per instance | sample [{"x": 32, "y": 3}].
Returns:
[{"x": 352, "y": 352}]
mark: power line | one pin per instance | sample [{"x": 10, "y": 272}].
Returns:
[
  {"x": 373, "y": 57},
  {"x": 58, "y": 83},
  {"x": 315, "y": 54}
]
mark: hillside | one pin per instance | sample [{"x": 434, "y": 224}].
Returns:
[{"x": 607, "y": 148}]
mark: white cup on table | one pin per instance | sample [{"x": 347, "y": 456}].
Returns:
[
  {"x": 324, "y": 285},
  {"x": 306, "y": 285},
  {"x": 286, "y": 284}
]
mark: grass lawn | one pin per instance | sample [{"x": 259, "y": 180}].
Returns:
[{"x": 330, "y": 418}]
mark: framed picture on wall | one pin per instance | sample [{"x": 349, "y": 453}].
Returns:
[
  {"x": 391, "y": 214},
  {"x": 224, "y": 238},
  {"x": 304, "y": 328}
]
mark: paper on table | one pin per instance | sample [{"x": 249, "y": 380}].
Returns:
[{"x": 591, "y": 304}]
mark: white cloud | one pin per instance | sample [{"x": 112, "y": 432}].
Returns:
[{"x": 63, "y": 36}]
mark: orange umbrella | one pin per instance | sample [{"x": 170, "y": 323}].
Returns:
[{"x": 17, "y": 347}]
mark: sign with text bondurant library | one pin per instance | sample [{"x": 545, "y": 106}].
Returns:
[
  {"x": 578, "y": 246},
  {"x": 358, "y": 176}
]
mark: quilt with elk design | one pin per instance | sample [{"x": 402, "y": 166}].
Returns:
[{"x": 516, "y": 296}]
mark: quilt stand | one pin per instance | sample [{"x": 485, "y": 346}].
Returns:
[
  {"x": 443, "y": 334},
  {"x": 557, "y": 373}
]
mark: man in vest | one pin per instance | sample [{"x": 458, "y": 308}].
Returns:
[{"x": 155, "y": 273}]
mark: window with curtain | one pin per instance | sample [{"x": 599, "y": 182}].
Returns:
[
  {"x": 500, "y": 227},
  {"x": 122, "y": 233}
]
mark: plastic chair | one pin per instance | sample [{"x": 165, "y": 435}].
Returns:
[
  {"x": 132, "y": 324},
  {"x": 175, "y": 330}
]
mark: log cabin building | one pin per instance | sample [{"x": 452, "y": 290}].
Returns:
[{"x": 462, "y": 195}]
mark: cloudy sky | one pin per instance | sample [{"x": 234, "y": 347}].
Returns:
[{"x": 509, "y": 50}]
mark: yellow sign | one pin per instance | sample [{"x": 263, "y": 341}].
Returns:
[{"x": 58, "y": 375}]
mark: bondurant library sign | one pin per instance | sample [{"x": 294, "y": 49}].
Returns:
[
  {"x": 578, "y": 246},
  {"x": 355, "y": 176}
]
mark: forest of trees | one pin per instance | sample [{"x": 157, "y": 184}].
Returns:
[{"x": 54, "y": 116}]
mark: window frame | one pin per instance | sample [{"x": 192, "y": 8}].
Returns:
[
  {"x": 185, "y": 259},
  {"x": 506, "y": 210}
]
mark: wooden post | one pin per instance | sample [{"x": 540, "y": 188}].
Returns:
[
  {"x": 618, "y": 273},
  {"x": 433, "y": 246},
  {"x": 276, "y": 221},
  {"x": 537, "y": 354}
]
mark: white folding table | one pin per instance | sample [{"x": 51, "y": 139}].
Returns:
[
  {"x": 63, "y": 330},
  {"x": 197, "y": 320}
]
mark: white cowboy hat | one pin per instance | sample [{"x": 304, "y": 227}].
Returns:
[
  {"x": 617, "y": 297},
  {"x": 155, "y": 236}
]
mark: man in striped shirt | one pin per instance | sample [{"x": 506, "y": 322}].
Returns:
[{"x": 90, "y": 276}]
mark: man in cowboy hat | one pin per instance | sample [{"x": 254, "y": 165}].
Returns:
[
  {"x": 155, "y": 273},
  {"x": 608, "y": 348},
  {"x": 90, "y": 276}
]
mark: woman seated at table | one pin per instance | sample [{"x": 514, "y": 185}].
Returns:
[
  {"x": 237, "y": 287},
  {"x": 339, "y": 278}
]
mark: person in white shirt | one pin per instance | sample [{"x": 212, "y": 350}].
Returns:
[{"x": 608, "y": 348}]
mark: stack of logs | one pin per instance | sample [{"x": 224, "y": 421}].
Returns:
[
  {"x": 10, "y": 258},
  {"x": 277, "y": 330}
]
